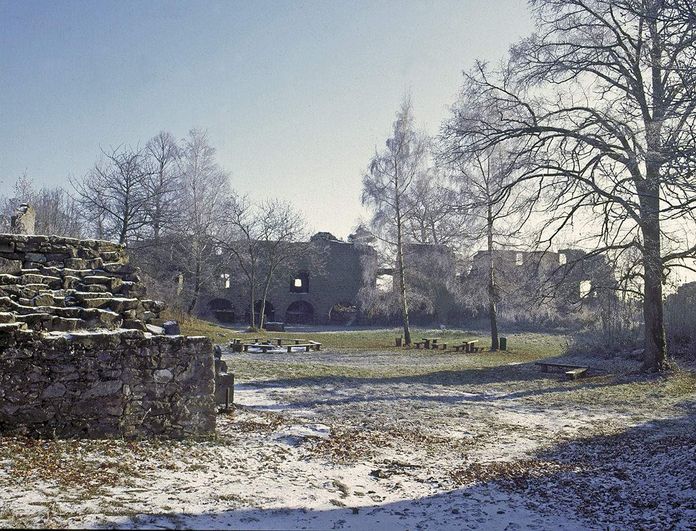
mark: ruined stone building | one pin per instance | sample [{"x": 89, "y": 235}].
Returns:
[
  {"x": 339, "y": 282},
  {"x": 565, "y": 280},
  {"x": 320, "y": 287}
]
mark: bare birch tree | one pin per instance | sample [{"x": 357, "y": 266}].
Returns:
[
  {"x": 164, "y": 184},
  {"x": 389, "y": 178},
  {"x": 485, "y": 174},
  {"x": 205, "y": 187},
  {"x": 603, "y": 99}
]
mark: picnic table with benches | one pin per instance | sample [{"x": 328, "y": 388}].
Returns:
[
  {"x": 468, "y": 346},
  {"x": 273, "y": 344}
]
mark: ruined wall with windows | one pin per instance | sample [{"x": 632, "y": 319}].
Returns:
[
  {"x": 320, "y": 287},
  {"x": 541, "y": 286}
]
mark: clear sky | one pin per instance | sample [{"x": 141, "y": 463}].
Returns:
[{"x": 295, "y": 95}]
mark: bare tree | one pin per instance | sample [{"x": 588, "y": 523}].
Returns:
[
  {"x": 602, "y": 98},
  {"x": 205, "y": 187},
  {"x": 485, "y": 174},
  {"x": 262, "y": 239},
  {"x": 115, "y": 195},
  {"x": 164, "y": 184},
  {"x": 390, "y": 175},
  {"x": 239, "y": 237}
]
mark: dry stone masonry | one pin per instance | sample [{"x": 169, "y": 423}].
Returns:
[{"x": 84, "y": 353}]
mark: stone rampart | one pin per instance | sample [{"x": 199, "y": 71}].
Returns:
[{"x": 83, "y": 352}]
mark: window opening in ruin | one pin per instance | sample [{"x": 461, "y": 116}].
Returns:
[
  {"x": 225, "y": 277},
  {"x": 562, "y": 259},
  {"x": 300, "y": 283},
  {"x": 385, "y": 283},
  {"x": 585, "y": 288},
  {"x": 519, "y": 259}
]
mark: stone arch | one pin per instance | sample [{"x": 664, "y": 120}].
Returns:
[{"x": 299, "y": 312}]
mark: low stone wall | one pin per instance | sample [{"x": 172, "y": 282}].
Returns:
[{"x": 122, "y": 383}]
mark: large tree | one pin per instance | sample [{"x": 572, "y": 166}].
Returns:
[
  {"x": 602, "y": 98},
  {"x": 386, "y": 184}
]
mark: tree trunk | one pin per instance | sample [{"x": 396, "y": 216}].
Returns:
[
  {"x": 252, "y": 306},
  {"x": 402, "y": 275},
  {"x": 196, "y": 286},
  {"x": 492, "y": 309},
  {"x": 655, "y": 357}
]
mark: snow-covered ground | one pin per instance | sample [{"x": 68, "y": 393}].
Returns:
[{"x": 499, "y": 448}]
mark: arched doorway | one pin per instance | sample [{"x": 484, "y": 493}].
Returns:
[
  {"x": 300, "y": 312},
  {"x": 269, "y": 311}
]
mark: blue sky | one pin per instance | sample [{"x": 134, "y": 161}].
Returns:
[{"x": 295, "y": 95}]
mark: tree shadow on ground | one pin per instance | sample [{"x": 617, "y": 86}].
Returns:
[
  {"x": 463, "y": 381},
  {"x": 482, "y": 506}
]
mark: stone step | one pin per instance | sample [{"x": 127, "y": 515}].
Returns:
[
  {"x": 7, "y": 279},
  {"x": 132, "y": 290},
  {"x": 66, "y": 324},
  {"x": 7, "y": 317},
  {"x": 46, "y": 280},
  {"x": 11, "y": 327},
  {"x": 112, "y": 283},
  {"x": 93, "y": 288},
  {"x": 96, "y": 318},
  {"x": 36, "y": 320},
  {"x": 82, "y": 295},
  {"x": 134, "y": 324}
]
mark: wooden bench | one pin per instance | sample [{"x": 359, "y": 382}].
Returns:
[
  {"x": 572, "y": 372},
  {"x": 311, "y": 345},
  {"x": 430, "y": 342},
  {"x": 263, "y": 347}
]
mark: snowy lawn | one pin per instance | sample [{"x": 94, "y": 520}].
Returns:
[{"x": 383, "y": 438}]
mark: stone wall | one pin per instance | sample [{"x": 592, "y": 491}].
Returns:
[
  {"x": 109, "y": 384},
  {"x": 83, "y": 353}
]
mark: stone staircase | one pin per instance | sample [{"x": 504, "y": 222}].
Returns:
[{"x": 57, "y": 284}]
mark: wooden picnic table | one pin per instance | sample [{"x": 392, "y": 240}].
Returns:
[{"x": 429, "y": 342}]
